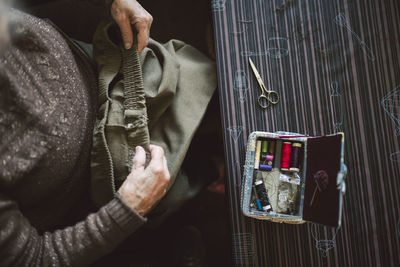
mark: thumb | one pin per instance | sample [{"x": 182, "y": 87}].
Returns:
[
  {"x": 139, "y": 160},
  {"x": 126, "y": 31}
]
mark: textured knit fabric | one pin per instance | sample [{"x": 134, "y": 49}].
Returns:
[
  {"x": 178, "y": 84},
  {"x": 47, "y": 109}
]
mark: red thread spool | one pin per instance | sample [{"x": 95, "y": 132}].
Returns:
[{"x": 286, "y": 153}]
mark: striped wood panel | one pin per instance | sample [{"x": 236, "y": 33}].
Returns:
[{"x": 335, "y": 64}]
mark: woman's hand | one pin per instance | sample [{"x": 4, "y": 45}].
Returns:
[
  {"x": 145, "y": 186},
  {"x": 127, "y": 12}
]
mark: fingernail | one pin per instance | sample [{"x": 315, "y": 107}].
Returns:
[{"x": 127, "y": 45}]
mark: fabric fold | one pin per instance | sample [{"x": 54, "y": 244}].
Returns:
[{"x": 165, "y": 107}]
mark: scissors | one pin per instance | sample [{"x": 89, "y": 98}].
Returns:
[{"x": 267, "y": 97}]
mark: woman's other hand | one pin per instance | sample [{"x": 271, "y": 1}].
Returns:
[
  {"x": 127, "y": 12},
  {"x": 145, "y": 186}
]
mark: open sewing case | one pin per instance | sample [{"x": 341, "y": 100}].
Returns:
[{"x": 294, "y": 178}]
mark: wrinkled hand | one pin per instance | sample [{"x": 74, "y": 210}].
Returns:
[
  {"x": 145, "y": 186},
  {"x": 127, "y": 12}
]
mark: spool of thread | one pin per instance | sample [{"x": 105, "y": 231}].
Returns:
[
  {"x": 264, "y": 150},
  {"x": 271, "y": 148},
  {"x": 264, "y": 147},
  {"x": 265, "y": 167},
  {"x": 257, "y": 155},
  {"x": 271, "y": 151},
  {"x": 263, "y": 196},
  {"x": 295, "y": 157},
  {"x": 285, "y": 157},
  {"x": 266, "y": 159},
  {"x": 263, "y": 157}
]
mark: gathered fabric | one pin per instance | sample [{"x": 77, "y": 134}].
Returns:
[{"x": 158, "y": 97}]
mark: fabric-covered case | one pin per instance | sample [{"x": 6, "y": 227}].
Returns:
[{"x": 293, "y": 178}]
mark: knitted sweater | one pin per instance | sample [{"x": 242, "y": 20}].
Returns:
[{"x": 47, "y": 110}]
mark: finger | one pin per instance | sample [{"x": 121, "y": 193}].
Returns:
[
  {"x": 165, "y": 164},
  {"x": 143, "y": 35},
  {"x": 139, "y": 160},
  {"x": 157, "y": 154},
  {"x": 167, "y": 174},
  {"x": 126, "y": 31}
]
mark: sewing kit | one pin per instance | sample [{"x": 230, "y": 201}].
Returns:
[{"x": 294, "y": 178}]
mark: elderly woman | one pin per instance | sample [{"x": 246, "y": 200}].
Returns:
[{"x": 47, "y": 112}]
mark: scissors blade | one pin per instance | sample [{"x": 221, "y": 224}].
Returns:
[{"x": 255, "y": 71}]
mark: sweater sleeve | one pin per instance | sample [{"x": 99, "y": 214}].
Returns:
[
  {"x": 45, "y": 130},
  {"x": 79, "y": 245}
]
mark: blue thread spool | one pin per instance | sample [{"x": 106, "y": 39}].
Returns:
[{"x": 265, "y": 167}]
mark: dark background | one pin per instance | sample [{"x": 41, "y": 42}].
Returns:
[{"x": 191, "y": 22}]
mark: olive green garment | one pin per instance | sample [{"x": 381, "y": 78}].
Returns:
[{"x": 163, "y": 107}]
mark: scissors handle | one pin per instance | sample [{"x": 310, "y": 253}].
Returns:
[
  {"x": 263, "y": 101},
  {"x": 273, "y": 97}
]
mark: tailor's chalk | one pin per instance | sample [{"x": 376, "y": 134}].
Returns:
[
  {"x": 257, "y": 156},
  {"x": 267, "y": 208},
  {"x": 258, "y": 182},
  {"x": 264, "y": 167}
]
